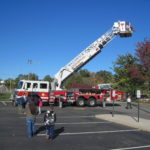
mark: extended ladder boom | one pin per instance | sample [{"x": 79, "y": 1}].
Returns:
[{"x": 121, "y": 28}]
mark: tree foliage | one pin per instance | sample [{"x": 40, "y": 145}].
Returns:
[
  {"x": 143, "y": 55},
  {"x": 30, "y": 76},
  {"x": 10, "y": 83},
  {"x": 84, "y": 73},
  {"x": 86, "y": 79},
  {"x": 122, "y": 78},
  {"x": 105, "y": 76},
  {"x": 74, "y": 79},
  {"x": 141, "y": 70},
  {"x": 48, "y": 78}
]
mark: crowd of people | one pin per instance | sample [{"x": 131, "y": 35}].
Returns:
[{"x": 31, "y": 106}]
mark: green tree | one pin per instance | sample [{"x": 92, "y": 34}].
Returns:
[
  {"x": 33, "y": 76},
  {"x": 106, "y": 76},
  {"x": 76, "y": 78},
  {"x": 48, "y": 78},
  {"x": 10, "y": 83},
  {"x": 30, "y": 76},
  {"x": 122, "y": 78},
  {"x": 84, "y": 73}
]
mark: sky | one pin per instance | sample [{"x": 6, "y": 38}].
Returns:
[{"x": 51, "y": 33}]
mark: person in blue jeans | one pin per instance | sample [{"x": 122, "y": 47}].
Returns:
[
  {"x": 31, "y": 112},
  {"x": 30, "y": 126},
  {"x": 49, "y": 121}
]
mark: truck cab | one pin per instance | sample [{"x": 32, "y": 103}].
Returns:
[{"x": 41, "y": 88}]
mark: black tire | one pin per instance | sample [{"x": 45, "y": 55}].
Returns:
[
  {"x": 91, "y": 102},
  {"x": 80, "y": 102}
]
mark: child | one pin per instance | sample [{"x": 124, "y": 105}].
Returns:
[{"x": 49, "y": 121}]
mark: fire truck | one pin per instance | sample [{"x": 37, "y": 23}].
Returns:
[
  {"x": 56, "y": 93},
  {"x": 42, "y": 88},
  {"x": 80, "y": 97},
  {"x": 113, "y": 94}
]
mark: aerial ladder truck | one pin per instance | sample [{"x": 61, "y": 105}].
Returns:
[
  {"x": 42, "y": 88},
  {"x": 121, "y": 28}
]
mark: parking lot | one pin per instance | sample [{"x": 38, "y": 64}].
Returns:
[{"x": 76, "y": 128}]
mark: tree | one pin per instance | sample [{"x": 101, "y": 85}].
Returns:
[
  {"x": 48, "y": 78},
  {"x": 10, "y": 83},
  {"x": 122, "y": 78},
  {"x": 74, "y": 79},
  {"x": 84, "y": 73},
  {"x": 143, "y": 55},
  {"x": 106, "y": 76},
  {"x": 30, "y": 76},
  {"x": 141, "y": 71},
  {"x": 33, "y": 76}
]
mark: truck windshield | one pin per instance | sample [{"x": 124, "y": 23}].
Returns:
[
  {"x": 20, "y": 84},
  {"x": 105, "y": 86},
  {"x": 69, "y": 94}
]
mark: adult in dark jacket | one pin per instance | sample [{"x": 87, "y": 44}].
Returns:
[{"x": 31, "y": 112}]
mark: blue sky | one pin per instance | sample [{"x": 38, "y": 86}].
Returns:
[{"x": 52, "y": 32}]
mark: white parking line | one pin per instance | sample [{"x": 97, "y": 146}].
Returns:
[
  {"x": 138, "y": 147},
  {"x": 4, "y": 103},
  {"x": 77, "y": 117},
  {"x": 96, "y": 132},
  {"x": 72, "y": 123},
  {"x": 67, "y": 117}
]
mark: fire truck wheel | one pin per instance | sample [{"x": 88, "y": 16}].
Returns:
[
  {"x": 80, "y": 101},
  {"x": 91, "y": 102}
]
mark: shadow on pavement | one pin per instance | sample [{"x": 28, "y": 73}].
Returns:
[
  {"x": 110, "y": 104},
  {"x": 57, "y": 131},
  {"x": 40, "y": 129}
]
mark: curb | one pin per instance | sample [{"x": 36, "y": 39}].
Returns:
[{"x": 143, "y": 124}]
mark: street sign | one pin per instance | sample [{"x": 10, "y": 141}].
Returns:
[
  {"x": 138, "y": 94},
  {"x": 113, "y": 93}
]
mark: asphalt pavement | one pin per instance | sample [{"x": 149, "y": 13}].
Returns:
[{"x": 77, "y": 128}]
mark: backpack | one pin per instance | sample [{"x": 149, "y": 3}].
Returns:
[{"x": 50, "y": 118}]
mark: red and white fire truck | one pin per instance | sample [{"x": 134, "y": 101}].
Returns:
[
  {"x": 42, "y": 88},
  {"x": 121, "y": 28},
  {"x": 81, "y": 97},
  {"x": 113, "y": 94}
]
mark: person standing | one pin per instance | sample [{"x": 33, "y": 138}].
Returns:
[
  {"x": 31, "y": 112},
  {"x": 40, "y": 105},
  {"x": 129, "y": 102},
  {"x": 21, "y": 104},
  {"x": 49, "y": 121},
  {"x": 24, "y": 102}
]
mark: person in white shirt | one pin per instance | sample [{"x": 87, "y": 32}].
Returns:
[{"x": 129, "y": 102}]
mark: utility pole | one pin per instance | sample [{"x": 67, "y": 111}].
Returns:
[{"x": 29, "y": 62}]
